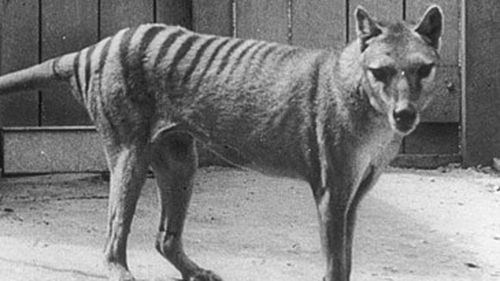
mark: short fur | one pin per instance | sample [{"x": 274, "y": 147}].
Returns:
[{"x": 333, "y": 119}]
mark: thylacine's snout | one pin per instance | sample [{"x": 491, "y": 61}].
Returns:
[{"x": 405, "y": 118}]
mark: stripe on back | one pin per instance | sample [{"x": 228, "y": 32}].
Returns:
[
  {"x": 132, "y": 49},
  {"x": 108, "y": 57},
  {"x": 165, "y": 46},
  {"x": 124, "y": 51},
  {"x": 266, "y": 53},
  {"x": 227, "y": 56},
  {"x": 148, "y": 37},
  {"x": 194, "y": 62},
  {"x": 241, "y": 59},
  {"x": 210, "y": 61},
  {"x": 137, "y": 74},
  {"x": 103, "y": 56},
  {"x": 179, "y": 55},
  {"x": 87, "y": 68},
  {"x": 76, "y": 68},
  {"x": 252, "y": 56}
]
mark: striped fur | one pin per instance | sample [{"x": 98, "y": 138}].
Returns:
[
  {"x": 151, "y": 63},
  {"x": 333, "y": 119}
]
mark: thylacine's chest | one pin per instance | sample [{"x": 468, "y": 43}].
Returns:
[
  {"x": 378, "y": 150},
  {"x": 353, "y": 143}
]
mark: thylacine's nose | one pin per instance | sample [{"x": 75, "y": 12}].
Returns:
[{"x": 405, "y": 118}]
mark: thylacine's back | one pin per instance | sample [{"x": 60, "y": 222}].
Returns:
[
  {"x": 171, "y": 57},
  {"x": 208, "y": 76},
  {"x": 156, "y": 62},
  {"x": 334, "y": 120}
]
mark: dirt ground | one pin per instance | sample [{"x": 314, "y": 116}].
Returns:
[{"x": 415, "y": 225}]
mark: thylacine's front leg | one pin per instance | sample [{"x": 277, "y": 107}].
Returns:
[
  {"x": 336, "y": 205},
  {"x": 370, "y": 177}
]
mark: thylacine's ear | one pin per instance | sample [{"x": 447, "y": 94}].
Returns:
[
  {"x": 366, "y": 27},
  {"x": 430, "y": 26}
]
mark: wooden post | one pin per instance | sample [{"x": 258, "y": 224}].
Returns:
[
  {"x": 318, "y": 24},
  {"x": 118, "y": 14},
  {"x": 263, "y": 20},
  {"x": 213, "y": 17},
  {"x": 66, "y": 26},
  {"x": 19, "y": 48},
  {"x": 174, "y": 12},
  {"x": 481, "y": 82}
]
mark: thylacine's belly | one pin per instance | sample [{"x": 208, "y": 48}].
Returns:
[
  {"x": 244, "y": 160},
  {"x": 263, "y": 157}
]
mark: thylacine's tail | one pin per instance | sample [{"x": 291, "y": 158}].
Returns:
[
  {"x": 79, "y": 67},
  {"x": 39, "y": 76}
]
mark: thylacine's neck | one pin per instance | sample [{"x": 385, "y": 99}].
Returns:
[{"x": 349, "y": 121}]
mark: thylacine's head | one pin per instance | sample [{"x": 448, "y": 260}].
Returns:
[{"x": 399, "y": 63}]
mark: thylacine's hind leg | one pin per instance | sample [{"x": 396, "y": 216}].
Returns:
[
  {"x": 128, "y": 167},
  {"x": 174, "y": 162}
]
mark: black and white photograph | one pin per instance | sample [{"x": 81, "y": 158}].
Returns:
[{"x": 247, "y": 140}]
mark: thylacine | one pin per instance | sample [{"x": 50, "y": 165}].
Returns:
[{"x": 332, "y": 119}]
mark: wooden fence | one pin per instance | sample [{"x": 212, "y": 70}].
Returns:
[{"x": 34, "y": 30}]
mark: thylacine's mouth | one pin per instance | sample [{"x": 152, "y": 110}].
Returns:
[{"x": 405, "y": 128}]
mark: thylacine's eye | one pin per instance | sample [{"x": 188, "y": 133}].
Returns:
[
  {"x": 424, "y": 70},
  {"x": 383, "y": 74}
]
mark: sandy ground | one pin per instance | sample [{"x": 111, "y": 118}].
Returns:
[{"x": 415, "y": 225}]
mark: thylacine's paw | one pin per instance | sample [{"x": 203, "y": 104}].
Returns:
[
  {"x": 119, "y": 273},
  {"x": 205, "y": 275},
  {"x": 121, "y": 276}
]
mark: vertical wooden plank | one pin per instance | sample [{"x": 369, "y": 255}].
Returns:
[
  {"x": 213, "y": 17},
  {"x": 481, "y": 82},
  {"x": 388, "y": 10},
  {"x": 117, "y": 14},
  {"x": 447, "y": 95},
  {"x": 448, "y": 91},
  {"x": 446, "y": 106},
  {"x": 449, "y": 42},
  {"x": 52, "y": 149},
  {"x": 67, "y": 26},
  {"x": 432, "y": 138},
  {"x": 19, "y": 49},
  {"x": 262, "y": 19},
  {"x": 174, "y": 12},
  {"x": 318, "y": 24}
]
